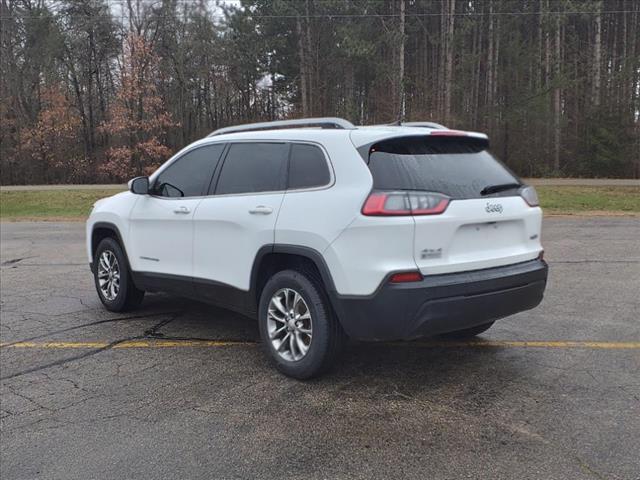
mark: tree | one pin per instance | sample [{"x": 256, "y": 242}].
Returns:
[
  {"x": 553, "y": 82},
  {"x": 89, "y": 46},
  {"x": 52, "y": 142},
  {"x": 137, "y": 120}
]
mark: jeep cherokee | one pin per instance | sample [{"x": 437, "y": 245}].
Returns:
[{"x": 323, "y": 231}]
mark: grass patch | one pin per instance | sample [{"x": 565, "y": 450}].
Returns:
[
  {"x": 49, "y": 204},
  {"x": 580, "y": 199},
  {"x": 76, "y": 204}
]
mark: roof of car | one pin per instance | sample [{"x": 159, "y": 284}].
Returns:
[{"x": 361, "y": 135}]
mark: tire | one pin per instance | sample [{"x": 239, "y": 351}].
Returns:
[
  {"x": 124, "y": 295},
  {"x": 469, "y": 332},
  {"x": 327, "y": 337}
]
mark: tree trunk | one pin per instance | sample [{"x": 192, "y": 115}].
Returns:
[
  {"x": 540, "y": 77},
  {"x": 448, "y": 74},
  {"x": 496, "y": 61},
  {"x": 547, "y": 49},
  {"x": 401, "y": 99},
  {"x": 557, "y": 105},
  {"x": 475, "y": 102},
  {"x": 311, "y": 67},
  {"x": 597, "y": 59},
  {"x": 303, "y": 69},
  {"x": 489, "y": 69}
]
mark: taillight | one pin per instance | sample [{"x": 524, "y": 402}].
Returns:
[
  {"x": 405, "y": 277},
  {"x": 386, "y": 203},
  {"x": 530, "y": 196},
  {"x": 380, "y": 203}
]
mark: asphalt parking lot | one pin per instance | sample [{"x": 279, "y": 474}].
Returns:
[{"x": 181, "y": 390}]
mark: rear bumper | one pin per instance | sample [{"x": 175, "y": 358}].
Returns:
[{"x": 442, "y": 303}]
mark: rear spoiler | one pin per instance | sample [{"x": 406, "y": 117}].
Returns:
[{"x": 480, "y": 140}]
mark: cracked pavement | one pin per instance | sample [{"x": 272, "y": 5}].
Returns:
[{"x": 386, "y": 411}]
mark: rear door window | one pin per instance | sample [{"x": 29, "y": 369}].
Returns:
[
  {"x": 308, "y": 167},
  {"x": 455, "y": 166},
  {"x": 253, "y": 168}
]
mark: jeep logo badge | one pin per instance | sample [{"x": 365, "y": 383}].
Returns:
[{"x": 493, "y": 208}]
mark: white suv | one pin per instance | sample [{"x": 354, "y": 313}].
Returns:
[{"x": 327, "y": 231}]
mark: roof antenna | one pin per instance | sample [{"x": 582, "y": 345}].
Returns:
[{"x": 396, "y": 123}]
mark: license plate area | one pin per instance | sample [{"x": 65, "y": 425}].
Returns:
[{"x": 499, "y": 237}]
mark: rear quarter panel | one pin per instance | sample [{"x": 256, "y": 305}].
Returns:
[
  {"x": 313, "y": 218},
  {"x": 368, "y": 250}
]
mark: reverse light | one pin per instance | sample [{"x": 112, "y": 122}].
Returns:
[
  {"x": 406, "y": 277},
  {"x": 530, "y": 196},
  {"x": 380, "y": 203}
]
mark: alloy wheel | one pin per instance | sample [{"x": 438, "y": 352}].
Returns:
[
  {"x": 289, "y": 324},
  {"x": 109, "y": 275}
]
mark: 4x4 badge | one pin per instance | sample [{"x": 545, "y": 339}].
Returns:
[
  {"x": 493, "y": 208},
  {"x": 431, "y": 253}
]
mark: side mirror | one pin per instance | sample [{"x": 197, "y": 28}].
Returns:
[{"x": 139, "y": 185}]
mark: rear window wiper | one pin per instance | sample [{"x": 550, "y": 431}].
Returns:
[{"x": 488, "y": 190}]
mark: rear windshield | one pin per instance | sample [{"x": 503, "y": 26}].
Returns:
[{"x": 457, "y": 167}]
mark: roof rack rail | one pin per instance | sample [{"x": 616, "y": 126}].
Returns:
[
  {"x": 433, "y": 125},
  {"x": 322, "y": 122}
]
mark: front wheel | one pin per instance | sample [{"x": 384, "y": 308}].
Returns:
[
  {"x": 113, "y": 279},
  {"x": 298, "y": 328}
]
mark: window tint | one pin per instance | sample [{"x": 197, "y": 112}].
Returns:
[
  {"x": 459, "y": 168},
  {"x": 253, "y": 167},
  {"x": 308, "y": 167},
  {"x": 189, "y": 176}
]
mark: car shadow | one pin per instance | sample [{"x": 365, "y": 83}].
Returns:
[{"x": 413, "y": 365}]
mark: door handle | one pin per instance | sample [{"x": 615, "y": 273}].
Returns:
[
  {"x": 261, "y": 210},
  {"x": 182, "y": 210}
]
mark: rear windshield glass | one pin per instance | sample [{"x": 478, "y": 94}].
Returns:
[{"x": 457, "y": 167}]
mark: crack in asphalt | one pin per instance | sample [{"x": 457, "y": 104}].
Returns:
[
  {"x": 84, "y": 325},
  {"x": 70, "y": 359},
  {"x": 154, "y": 332},
  {"x": 28, "y": 399},
  {"x": 16, "y": 260},
  {"x": 148, "y": 334},
  {"x": 11, "y": 262}
]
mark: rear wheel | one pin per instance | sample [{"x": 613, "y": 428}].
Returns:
[
  {"x": 113, "y": 278},
  {"x": 298, "y": 329},
  {"x": 469, "y": 332}
]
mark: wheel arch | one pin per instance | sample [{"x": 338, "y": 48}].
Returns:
[
  {"x": 276, "y": 257},
  {"x": 102, "y": 230}
]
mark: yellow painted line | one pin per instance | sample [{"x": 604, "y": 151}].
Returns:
[
  {"x": 127, "y": 344},
  {"x": 529, "y": 344},
  {"x": 428, "y": 344}
]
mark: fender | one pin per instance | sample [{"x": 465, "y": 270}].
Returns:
[{"x": 306, "y": 252}]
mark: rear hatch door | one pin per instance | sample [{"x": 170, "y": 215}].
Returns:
[{"x": 486, "y": 224}]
